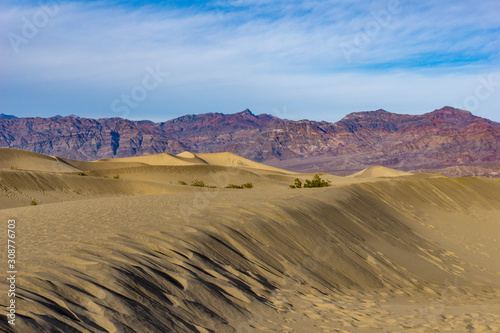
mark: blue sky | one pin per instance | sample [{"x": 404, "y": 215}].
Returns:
[{"x": 294, "y": 59}]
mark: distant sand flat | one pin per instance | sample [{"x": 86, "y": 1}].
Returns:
[{"x": 382, "y": 251}]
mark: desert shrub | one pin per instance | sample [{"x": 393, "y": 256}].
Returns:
[
  {"x": 246, "y": 185},
  {"x": 233, "y": 186},
  {"x": 181, "y": 182},
  {"x": 34, "y": 203},
  {"x": 117, "y": 177},
  {"x": 199, "y": 183},
  {"x": 317, "y": 182},
  {"x": 82, "y": 174},
  {"x": 13, "y": 168}
]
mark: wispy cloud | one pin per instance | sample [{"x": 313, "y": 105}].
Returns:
[{"x": 224, "y": 56}]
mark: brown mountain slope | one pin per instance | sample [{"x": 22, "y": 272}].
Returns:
[{"x": 436, "y": 140}]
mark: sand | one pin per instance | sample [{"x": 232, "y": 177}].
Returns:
[
  {"x": 378, "y": 171},
  {"x": 384, "y": 252}
]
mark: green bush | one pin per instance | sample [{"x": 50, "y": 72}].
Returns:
[
  {"x": 34, "y": 203},
  {"x": 246, "y": 185},
  {"x": 234, "y": 186},
  {"x": 82, "y": 174},
  {"x": 117, "y": 177},
  {"x": 199, "y": 183},
  {"x": 315, "y": 182}
]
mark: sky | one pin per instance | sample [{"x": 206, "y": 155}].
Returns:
[{"x": 308, "y": 59}]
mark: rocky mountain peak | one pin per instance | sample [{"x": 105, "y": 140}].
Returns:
[
  {"x": 7, "y": 116},
  {"x": 248, "y": 113},
  {"x": 449, "y": 111}
]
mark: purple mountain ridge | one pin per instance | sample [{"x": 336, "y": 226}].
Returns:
[{"x": 444, "y": 138}]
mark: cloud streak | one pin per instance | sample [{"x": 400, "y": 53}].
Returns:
[{"x": 224, "y": 56}]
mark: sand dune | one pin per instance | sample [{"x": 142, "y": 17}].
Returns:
[
  {"x": 22, "y": 188},
  {"x": 188, "y": 158},
  {"x": 100, "y": 165},
  {"x": 16, "y": 159},
  {"x": 161, "y": 159},
  {"x": 43, "y": 179},
  {"x": 191, "y": 157},
  {"x": 388, "y": 254},
  {"x": 379, "y": 171},
  {"x": 231, "y": 159}
]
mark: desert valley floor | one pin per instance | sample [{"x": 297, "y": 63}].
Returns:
[{"x": 121, "y": 246}]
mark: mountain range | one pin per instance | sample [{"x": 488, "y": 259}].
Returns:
[{"x": 448, "y": 140}]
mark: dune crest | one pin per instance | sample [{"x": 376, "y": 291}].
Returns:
[
  {"x": 159, "y": 159},
  {"x": 231, "y": 159},
  {"x": 17, "y": 159},
  {"x": 378, "y": 171},
  {"x": 186, "y": 154}
]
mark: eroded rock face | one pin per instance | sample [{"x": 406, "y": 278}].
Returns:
[{"x": 442, "y": 138}]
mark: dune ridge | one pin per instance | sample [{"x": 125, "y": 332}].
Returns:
[
  {"x": 368, "y": 254},
  {"x": 26, "y": 176},
  {"x": 379, "y": 171}
]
